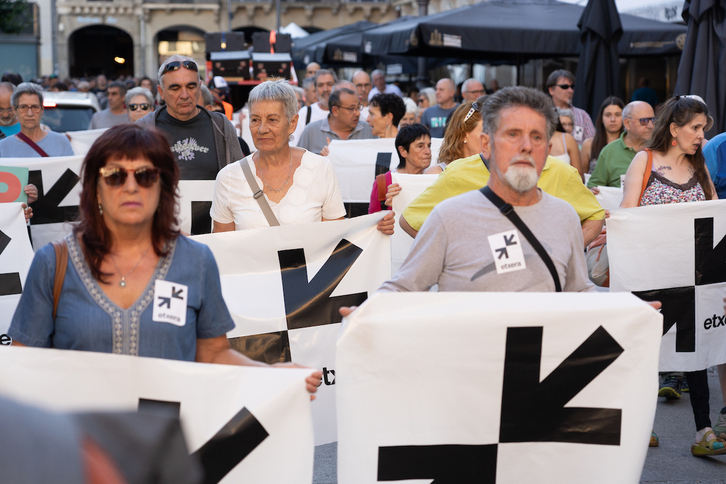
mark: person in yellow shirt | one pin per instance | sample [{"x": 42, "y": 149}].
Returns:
[{"x": 558, "y": 179}]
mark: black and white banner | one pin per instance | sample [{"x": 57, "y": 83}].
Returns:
[
  {"x": 497, "y": 388},
  {"x": 59, "y": 188},
  {"x": 358, "y": 162},
  {"x": 284, "y": 286},
  {"x": 16, "y": 255},
  {"x": 676, "y": 254},
  {"x": 81, "y": 141},
  {"x": 266, "y": 409}
]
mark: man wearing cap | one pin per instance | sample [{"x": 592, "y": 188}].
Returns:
[
  {"x": 203, "y": 142},
  {"x": 218, "y": 87}
]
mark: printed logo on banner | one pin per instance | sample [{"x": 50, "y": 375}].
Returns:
[
  {"x": 507, "y": 251},
  {"x": 522, "y": 394}
]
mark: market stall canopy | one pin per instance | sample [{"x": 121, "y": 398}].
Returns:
[
  {"x": 304, "y": 49},
  {"x": 514, "y": 30}
]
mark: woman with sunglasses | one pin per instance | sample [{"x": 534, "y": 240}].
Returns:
[
  {"x": 426, "y": 98},
  {"x": 139, "y": 103},
  {"x": 674, "y": 171},
  {"x": 122, "y": 255},
  {"x": 462, "y": 138}
]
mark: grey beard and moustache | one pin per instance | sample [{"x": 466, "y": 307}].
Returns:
[
  {"x": 7, "y": 121},
  {"x": 521, "y": 179}
]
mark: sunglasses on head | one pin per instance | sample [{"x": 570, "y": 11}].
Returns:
[
  {"x": 116, "y": 177},
  {"x": 474, "y": 108},
  {"x": 176, "y": 65},
  {"x": 566, "y": 86},
  {"x": 142, "y": 106}
]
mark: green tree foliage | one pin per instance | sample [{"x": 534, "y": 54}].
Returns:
[{"x": 15, "y": 15}]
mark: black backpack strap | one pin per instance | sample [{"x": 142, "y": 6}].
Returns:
[
  {"x": 308, "y": 115},
  {"x": 508, "y": 211}
]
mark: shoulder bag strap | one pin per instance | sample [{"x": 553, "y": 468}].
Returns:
[
  {"x": 61, "y": 264},
  {"x": 646, "y": 175},
  {"x": 309, "y": 115},
  {"x": 382, "y": 189},
  {"x": 32, "y": 144},
  {"x": 508, "y": 211},
  {"x": 259, "y": 194}
]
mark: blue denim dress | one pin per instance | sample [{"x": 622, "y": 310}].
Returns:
[{"x": 88, "y": 320}]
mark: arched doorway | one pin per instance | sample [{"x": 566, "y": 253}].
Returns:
[
  {"x": 101, "y": 49},
  {"x": 181, "y": 40}
]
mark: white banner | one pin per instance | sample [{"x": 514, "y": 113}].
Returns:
[
  {"x": 16, "y": 255},
  {"x": 676, "y": 254},
  {"x": 497, "y": 388},
  {"x": 610, "y": 198},
  {"x": 59, "y": 190},
  {"x": 284, "y": 286},
  {"x": 357, "y": 162},
  {"x": 411, "y": 187},
  {"x": 272, "y": 404},
  {"x": 81, "y": 141}
]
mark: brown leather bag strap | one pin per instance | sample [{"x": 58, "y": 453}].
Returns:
[
  {"x": 61, "y": 264},
  {"x": 32, "y": 144},
  {"x": 382, "y": 187},
  {"x": 646, "y": 175}
]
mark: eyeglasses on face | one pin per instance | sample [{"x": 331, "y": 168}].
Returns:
[
  {"x": 6, "y": 110},
  {"x": 478, "y": 92},
  {"x": 352, "y": 109},
  {"x": 421, "y": 100},
  {"x": 116, "y": 177},
  {"x": 566, "y": 86},
  {"x": 141, "y": 106},
  {"x": 176, "y": 65},
  {"x": 23, "y": 108},
  {"x": 645, "y": 121},
  {"x": 363, "y": 85}
]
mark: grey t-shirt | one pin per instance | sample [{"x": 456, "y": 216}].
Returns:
[
  {"x": 106, "y": 119},
  {"x": 435, "y": 117},
  {"x": 54, "y": 144},
  {"x": 192, "y": 143},
  {"x": 452, "y": 249}
]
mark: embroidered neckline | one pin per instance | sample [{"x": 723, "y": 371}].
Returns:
[{"x": 125, "y": 321}]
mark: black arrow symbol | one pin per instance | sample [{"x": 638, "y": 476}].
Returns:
[
  {"x": 710, "y": 261},
  {"x": 165, "y": 301},
  {"x": 176, "y": 294},
  {"x": 227, "y": 448},
  {"x": 10, "y": 282},
  {"x": 445, "y": 464},
  {"x": 309, "y": 304},
  {"x": 509, "y": 241},
  {"x": 544, "y": 402},
  {"x": 679, "y": 309},
  {"x": 502, "y": 252},
  {"x": 46, "y": 209}
]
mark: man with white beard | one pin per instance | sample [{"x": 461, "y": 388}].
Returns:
[{"x": 469, "y": 244}]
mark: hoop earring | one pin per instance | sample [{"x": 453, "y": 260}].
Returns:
[{"x": 100, "y": 208}]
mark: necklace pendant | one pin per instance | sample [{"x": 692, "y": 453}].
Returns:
[{"x": 123, "y": 282}]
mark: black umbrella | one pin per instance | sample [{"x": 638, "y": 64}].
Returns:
[
  {"x": 598, "y": 71},
  {"x": 303, "y": 48},
  {"x": 513, "y": 30},
  {"x": 702, "y": 69}
]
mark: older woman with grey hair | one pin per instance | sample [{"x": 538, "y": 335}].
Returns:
[
  {"x": 279, "y": 184},
  {"x": 567, "y": 119},
  {"x": 139, "y": 102}
]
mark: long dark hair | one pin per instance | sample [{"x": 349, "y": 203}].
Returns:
[
  {"x": 681, "y": 110},
  {"x": 601, "y": 135},
  {"x": 126, "y": 142}
]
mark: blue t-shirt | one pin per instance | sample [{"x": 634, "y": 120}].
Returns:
[
  {"x": 54, "y": 144},
  {"x": 88, "y": 320},
  {"x": 715, "y": 154},
  {"x": 10, "y": 130},
  {"x": 435, "y": 119}
]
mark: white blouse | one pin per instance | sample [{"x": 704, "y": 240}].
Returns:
[{"x": 314, "y": 195}]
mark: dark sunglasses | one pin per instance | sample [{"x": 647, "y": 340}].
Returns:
[
  {"x": 645, "y": 121},
  {"x": 176, "y": 65},
  {"x": 566, "y": 86},
  {"x": 116, "y": 177},
  {"x": 142, "y": 106}
]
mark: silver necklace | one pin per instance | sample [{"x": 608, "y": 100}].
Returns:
[
  {"x": 289, "y": 172},
  {"x": 122, "y": 283}
]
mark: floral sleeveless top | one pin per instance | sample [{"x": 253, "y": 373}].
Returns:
[{"x": 660, "y": 191}]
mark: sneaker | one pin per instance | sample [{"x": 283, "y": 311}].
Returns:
[
  {"x": 684, "y": 385},
  {"x": 720, "y": 428},
  {"x": 653, "y": 440},
  {"x": 671, "y": 388}
]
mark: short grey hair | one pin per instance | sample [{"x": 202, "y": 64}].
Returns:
[
  {"x": 299, "y": 91},
  {"x": 378, "y": 72},
  {"x": 566, "y": 113},
  {"x": 8, "y": 86},
  {"x": 307, "y": 82},
  {"x": 207, "y": 98},
  {"x": 139, "y": 91},
  {"x": 512, "y": 97},
  {"x": 344, "y": 84},
  {"x": 276, "y": 90},
  {"x": 175, "y": 57},
  {"x": 325, "y": 72},
  {"x": 26, "y": 88}
]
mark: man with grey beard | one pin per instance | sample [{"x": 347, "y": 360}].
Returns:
[
  {"x": 9, "y": 124},
  {"x": 469, "y": 244}
]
